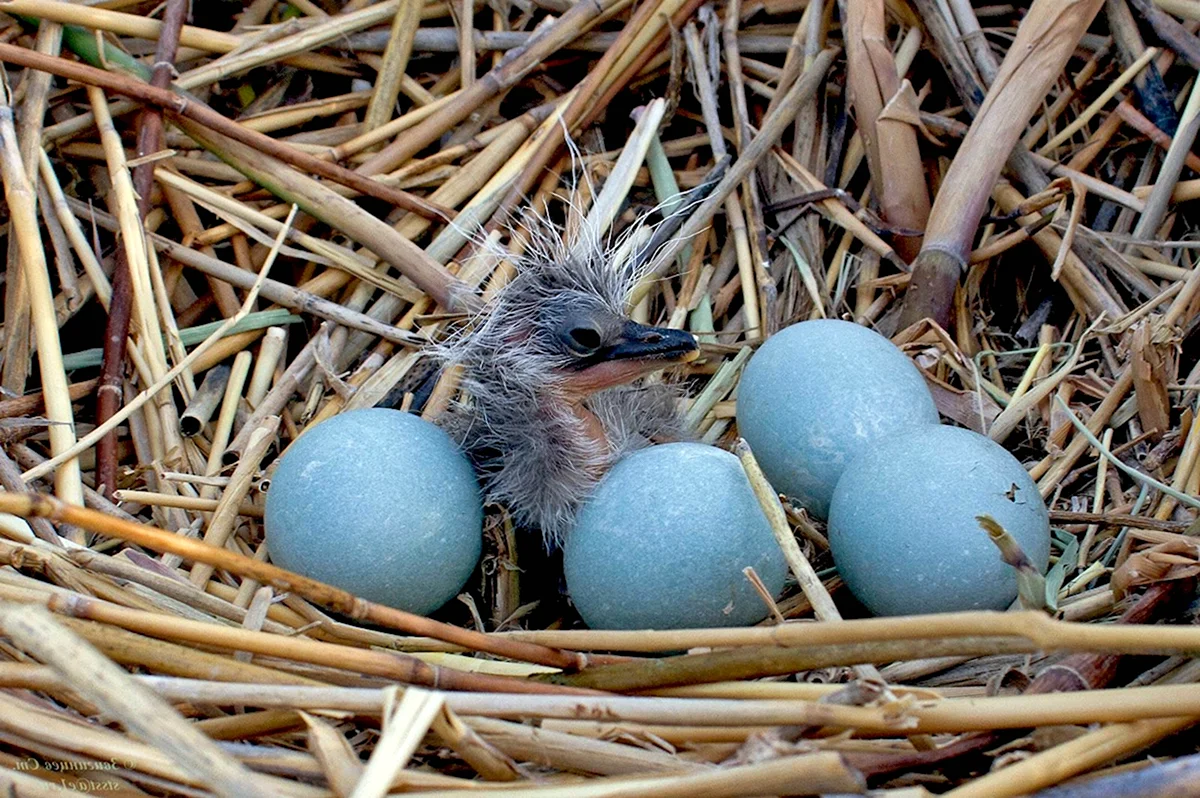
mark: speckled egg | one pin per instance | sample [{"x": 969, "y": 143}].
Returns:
[
  {"x": 818, "y": 393},
  {"x": 663, "y": 541},
  {"x": 380, "y": 503},
  {"x": 903, "y": 528}
]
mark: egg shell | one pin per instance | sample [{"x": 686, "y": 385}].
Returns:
[
  {"x": 663, "y": 541},
  {"x": 380, "y": 503},
  {"x": 903, "y": 528},
  {"x": 817, "y": 394}
]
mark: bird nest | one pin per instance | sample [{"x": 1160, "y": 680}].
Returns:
[{"x": 1003, "y": 190}]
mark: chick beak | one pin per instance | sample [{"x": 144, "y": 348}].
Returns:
[{"x": 637, "y": 351}]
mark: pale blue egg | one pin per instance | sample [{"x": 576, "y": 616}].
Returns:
[
  {"x": 663, "y": 541},
  {"x": 903, "y": 528},
  {"x": 380, "y": 503},
  {"x": 817, "y": 394}
]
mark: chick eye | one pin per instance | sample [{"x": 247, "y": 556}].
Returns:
[{"x": 583, "y": 340}]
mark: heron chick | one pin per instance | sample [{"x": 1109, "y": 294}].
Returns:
[{"x": 554, "y": 369}]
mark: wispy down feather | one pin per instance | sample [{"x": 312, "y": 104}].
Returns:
[{"x": 533, "y": 450}]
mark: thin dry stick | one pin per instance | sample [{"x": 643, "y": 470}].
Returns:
[
  {"x": 116, "y": 331},
  {"x": 810, "y": 583},
  {"x": 1071, "y": 758},
  {"x": 707, "y": 94},
  {"x": 768, "y": 136},
  {"x": 516, "y": 65},
  {"x": 17, "y": 308},
  {"x": 324, "y": 203},
  {"x": 395, "y": 62}
]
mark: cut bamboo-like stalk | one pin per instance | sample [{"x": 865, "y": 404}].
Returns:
[
  {"x": 264, "y": 367},
  {"x": 204, "y": 402},
  {"x": 17, "y": 307},
  {"x": 337, "y": 599}
]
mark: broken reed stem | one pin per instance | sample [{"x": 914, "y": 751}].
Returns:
[
  {"x": 224, "y": 520},
  {"x": 327, "y": 205},
  {"x": 1040, "y": 631}
]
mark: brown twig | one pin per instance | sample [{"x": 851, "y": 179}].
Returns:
[
  {"x": 190, "y": 108},
  {"x": 116, "y": 332}
]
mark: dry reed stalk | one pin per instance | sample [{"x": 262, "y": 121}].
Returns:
[
  {"x": 516, "y": 64},
  {"x": 138, "y": 709},
  {"x": 278, "y": 292},
  {"x": 17, "y": 309},
  {"x": 322, "y": 203},
  {"x": 809, "y": 773},
  {"x": 883, "y": 112},
  {"x": 733, "y": 209},
  {"x": 110, "y": 618},
  {"x": 395, "y": 63},
  {"x": 269, "y": 355},
  {"x": 1069, "y": 759},
  {"x": 162, "y": 382},
  {"x": 184, "y": 502},
  {"x": 224, "y": 519},
  {"x": 487, "y": 760},
  {"x": 1045, "y": 39},
  {"x": 837, "y": 211},
  {"x": 144, "y": 307},
  {"x": 770, "y": 132},
  {"x": 752, "y": 662},
  {"x": 184, "y": 212},
  {"x": 20, "y": 198},
  {"x": 180, "y": 108},
  {"x": 1039, "y": 630},
  {"x": 823, "y": 607},
  {"x": 284, "y": 581},
  {"x": 230, "y": 403},
  {"x": 322, "y": 251},
  {"x": 204, "y": 401}
]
